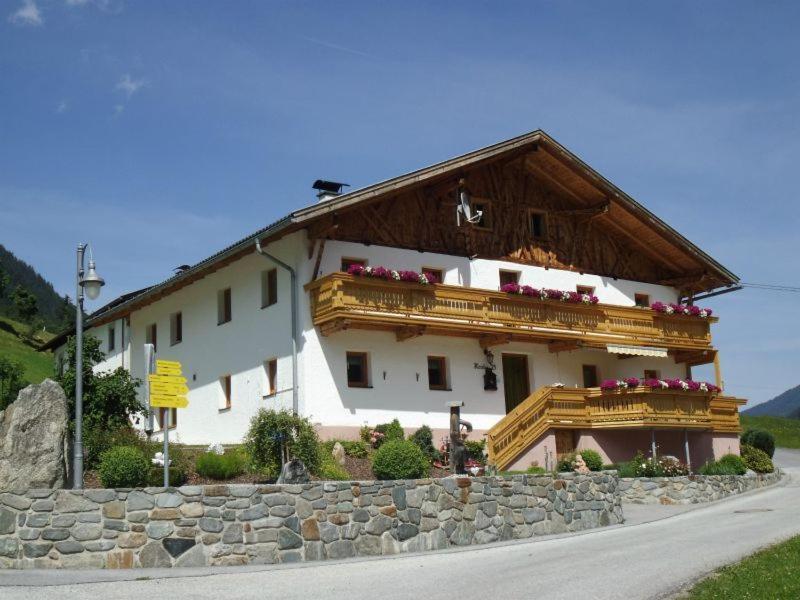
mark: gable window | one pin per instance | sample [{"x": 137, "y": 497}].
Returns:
[
  {"x": 223, "y": 306},
  {"x": 485, "y": 208},
  {"x": 508, "y": 277},
  {"x": 269, "y": 287},
  {"x": 590, "y": 377},
  {"x": 111, "y": 335},
  {"x": 271, "y": 367},
  {"x": 175, "y": 328},
  {"x": 437, "y": 373},
  {"x": 357, "y": 369},
  {"x": 642, "y": 300},
  {"x": 585, "y": 289},
  {"x": 538, "y": 224},
  {"x": 162, "y": 417},
  {"x": 151, "y": 336},
  {"x": 433, "y": 275},
  {"x": 652, "y": 374},
  {"x": 349, "y": 262},
  {"x": 225, "y": 398}
]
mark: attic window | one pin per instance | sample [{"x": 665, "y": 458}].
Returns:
[
  {"x": 538, "y": 224},
  {"x": 485, "y": 208},
  {"x": 507, "y": 277},
  {"x": 585, "y": 289},
  {"x": 349, "y": 262},
  {"x": 642, "y": 300}
]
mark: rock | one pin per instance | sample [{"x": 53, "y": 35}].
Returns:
[
  {"x": 310, "y": 530},
  {"x": 368, "y": 545},
  {"x": 153, "y": 555},
  {"x": 8, "y": 521},
  {"x": 379, "y": 524},
  {"x": 159, "y": 529},
  {"x": 256, "y": 512},
  {"x": 114, "y": 510},
  {"x": 177, "y": 546},
  {"x": 36, "y": 550},
  {"x": 69, "y": 547},
  {"x": 210, "y": 525},
  {"x": 406, "y": 531},
  {"x": 169, "y": 500},
  {"x": 192, "y": 558},
  {"x": 33, "y": 439},
  {"x": 55, "y": 534},
  {"x": 102, "y": 546},
  {"x": 341, "y": 549},
  {"x": 69, "y": 502},
  {"x": 328, "y": 532},
  {"x": 338, "y": 453},
  {"x": 100, "y": 496},
  {"x": 43, "y": 505},
  {"x": 293, "y": 471},
  {"x": 288, "y": 540},
  {"x": 34, "y": 520},
  {"x": 192, "y": 509},
  {"x": 86, "y": 531},
  {"x": 132, "y": 540},
  {"x": 9, "y": 547},
  {"x": 139, "y": 501},
  {"x": 15, "y": 501},
  {"x": 64, "y": 520},
  {"x": 233, "y": 534},
  {"x": 119, "y": 560}
]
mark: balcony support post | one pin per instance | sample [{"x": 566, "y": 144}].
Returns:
[
  {"x": 686, "y": 449},
  {"x": 653, "y": 443}
]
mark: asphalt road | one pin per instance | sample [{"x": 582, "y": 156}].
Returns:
[{"x": 654, "y": 559}]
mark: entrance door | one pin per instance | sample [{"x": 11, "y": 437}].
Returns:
[
  {"x": 565, "y": 442},
  {"x": 515, "y": 379}
]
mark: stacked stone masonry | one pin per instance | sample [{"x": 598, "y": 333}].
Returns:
[
  {"x": 690, "y": 489},
  {"x": 260, "y": 524}
]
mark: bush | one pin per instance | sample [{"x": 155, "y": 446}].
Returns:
[
  {"x": 535, "y": 470},
  {"x": 391, "y": 432},
  {"x": 155, "y": 477},
  {"x": 423, "y": 438},
  {"x": 475, "y": 450},
  {"x": 756, "y": 459},
  {"x": 730, "y": 464},
  {"x": 640, "y": 466},
  {"x": 99, "y": 439},
  {"x": 758, "y": 438},
  {"x": 221, "y": 466},
  {"x": 263, "y": 441},
  {"x": 123, "y": 467},
  {"x": 330, "y": 470},
  {"x": 356, "y": 449},
  {"x": 592, "y": 459},
  {"x": 400, "y": 459}
]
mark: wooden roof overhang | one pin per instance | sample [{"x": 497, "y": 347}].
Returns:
[{"x": 542, "y": 155}]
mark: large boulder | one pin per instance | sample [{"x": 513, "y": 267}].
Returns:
[{"x": 33, "y": 439}]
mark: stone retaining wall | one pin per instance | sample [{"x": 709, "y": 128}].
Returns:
[
  {"x": 690, "y": 489},
  {"x": 258, "y": 524}
]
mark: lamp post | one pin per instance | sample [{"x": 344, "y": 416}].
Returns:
[{"x": 89, "y": 282}]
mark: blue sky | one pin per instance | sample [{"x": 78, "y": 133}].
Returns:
[{"x": 161, "y": 132}]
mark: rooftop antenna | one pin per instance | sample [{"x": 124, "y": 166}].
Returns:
[{"x": 464, "y": 208}]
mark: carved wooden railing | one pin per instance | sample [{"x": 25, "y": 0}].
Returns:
[
  {"x": 591, "y": 408},
  {"x": 339, "y": 301}
]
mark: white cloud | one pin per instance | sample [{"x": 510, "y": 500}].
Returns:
[
  {"x": 27, "y": 14},
  {"x": 62, "y": 107},
  {"x": 110, "y": 6},
  {"x": 130, "y": 86},
  {"x": 118, "y": 109}
]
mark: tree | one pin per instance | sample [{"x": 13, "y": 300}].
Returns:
[
  {"x": 25, "y": 303},
  {"x": 12, "y": 380},
  {"x": 5, "y": 281},
  {"x": 109, "y": 397},
  {"x": 66, "y": 313}
]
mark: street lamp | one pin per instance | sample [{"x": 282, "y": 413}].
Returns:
[{"x": 89, "y": 282}]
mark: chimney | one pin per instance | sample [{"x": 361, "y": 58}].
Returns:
[{"x": 328, "y": 189}]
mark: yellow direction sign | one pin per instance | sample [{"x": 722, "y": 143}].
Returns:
[
  {"x": 167, "y": 364},
  {"x": 168, "y": 379},
  {"x": 159, "y": 401},
  {"x": 161, "y": 389}
]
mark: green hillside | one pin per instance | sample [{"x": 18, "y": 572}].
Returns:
[
  {"x": 785, "y": 430},
  {"x": 38, "y": 365}
]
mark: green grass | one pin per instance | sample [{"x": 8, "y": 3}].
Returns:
[
  {"x": 785, "y": 430},
  {"x": 38, "y": 365},
  {"x": 772, "y": 573}
]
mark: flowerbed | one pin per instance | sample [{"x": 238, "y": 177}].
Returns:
[
  {"x": 391, "y": 274},
  {"x": 686, "y": 385},
  {"x": 681, "y": 309},
  {"x": 549, "y": 294}
]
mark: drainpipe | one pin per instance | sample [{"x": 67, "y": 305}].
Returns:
[{"x": 293, "y": 275}]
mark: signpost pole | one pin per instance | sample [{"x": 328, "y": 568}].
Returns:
[{"x": 167, "y": 412}]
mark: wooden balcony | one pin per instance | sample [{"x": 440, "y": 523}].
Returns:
[
  {"x": 591, "y": 408},
  {"x": 340, "y": 301}
]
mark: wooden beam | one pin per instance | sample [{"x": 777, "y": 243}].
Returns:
[
  {"x": 317, "y": 262},
  {"x": 486, "y": 341},
  {"x": 406, "y": 333},
  {"x": 563, "y": 346},
  {"x": 334, "y": 326}
]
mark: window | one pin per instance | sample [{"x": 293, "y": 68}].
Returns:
[
  {"x": 485, "y": 208},
  {"x": 175, "y": 328},
  {"x": 271, "y": 367},
  {"x": 223, "y": 306},
  {"x": 111, "y": 336},
  {"x": 162, "y": 416},
  {"x": 349, "y": 262},
  {"x": 508, "y": 277},
  {"x": 151, "y": 336},
  {"x": 433, "y": 275},
  {"x": 652, "y": 374},
  {"x": 357, "y": 369},
  {"x": 225, "y": 400},
  {"x": 437, "y": 373},
  {"x": 590, "y": 378},
  {"x": 585, "y": 289},
  {"x": 642, "y": 300},
  {"x": 269, "y": 288},
  {"x": 538, "y": 222}
]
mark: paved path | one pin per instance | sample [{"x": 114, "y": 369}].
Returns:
[{"x": 646, "y": 560}]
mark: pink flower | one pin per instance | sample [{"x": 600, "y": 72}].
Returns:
[
  {"x": 631, "y": 381},
  {"x": 355, "y": 270},
  {"x": 510, "y": 288}
]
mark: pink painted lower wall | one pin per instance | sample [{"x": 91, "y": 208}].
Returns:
[
  {"x": 354, "y": 433},
  {"x": 541, "y": 454}
]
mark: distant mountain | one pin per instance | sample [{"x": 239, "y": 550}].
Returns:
[
  {"x": 57, "y": 312},
  {"x": 785, "y": 405}
]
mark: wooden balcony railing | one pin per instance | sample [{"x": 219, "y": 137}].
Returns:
[
  {"x": 341, "y": 301},
  {"x": 591, "y": 408}
]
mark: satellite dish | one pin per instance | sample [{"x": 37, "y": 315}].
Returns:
[{"x": 464, "y": 208}]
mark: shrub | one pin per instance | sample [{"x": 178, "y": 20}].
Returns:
[
  {"x": 756, "y": 459},
  {"x": 730, "y": 464},
  {"x": 99, "y": 439},
  {"x": 263, "y": 441},
  {"x": 423, "y": 437},
  {"x": 155, "y": 477},
  {"x": 221, "y": 466},
  {"x": 475, "y": 450},
  {"x": 330, "y": 470},
  {"x": 758, "y": 438},
  {"x": 639, "y": 466},
  {"x": 535, "y": 470},
  {"x": 123, "y": 467},
  {"x": 391, "y": 432},
  {"x": 400, "y": 459},
  {"x": 365, "y": 433},
  {"x": 592, "y": 459}
]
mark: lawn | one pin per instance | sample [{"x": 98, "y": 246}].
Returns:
[
  {"x": 772, "y": 573},
  {"x": 785, "y": 430},
  {"x": 38, "y": 365}
]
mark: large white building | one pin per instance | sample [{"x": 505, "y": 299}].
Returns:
[{"x": 369, "y": 350}]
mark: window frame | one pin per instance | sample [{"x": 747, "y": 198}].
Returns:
[
  {"x": 173, "y": 418},
  {"x": 545, "y": 225},
  {"x": 226, "y": 383},
  {"x": 585, "y": 289},
  {"x": 364, "y": 381},
  {"x": 500, "y": 272},
  {"x": 351, "y": 260},
  {"x": 151, "y": 336},
  {"x": 269, "y": 287},
  {"x": 653, "y": 374},
  {"x": 224, "y": 306},
  {"x": 641, "y": 296},
  {"x": 596, "y": 375},
  {"x": 438, "y": 273},
  {"x": 176, "y": 328},
  {"x": 442, "y": 360},
  {"x": 271, "y": 371},
  {"x": 486, "y": 222},
  {"x": 111, "y": 341}
]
